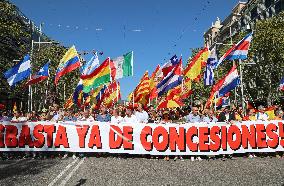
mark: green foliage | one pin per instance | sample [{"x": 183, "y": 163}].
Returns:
[{"x": 15, "y": 42}]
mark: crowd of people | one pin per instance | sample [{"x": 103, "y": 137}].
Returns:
[{"x": 137, "y": 114}]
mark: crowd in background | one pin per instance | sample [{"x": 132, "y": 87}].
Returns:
[{"x": 137, "y": 114}]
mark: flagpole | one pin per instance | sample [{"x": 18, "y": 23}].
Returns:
[
  {"x": 116, "y": 91},
  {"x": 242, "y": 86}
]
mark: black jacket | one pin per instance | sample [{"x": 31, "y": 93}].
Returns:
[{"x": 222, "y": 117}]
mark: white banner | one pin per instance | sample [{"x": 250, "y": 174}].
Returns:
[{"x": 139, "y": 138}]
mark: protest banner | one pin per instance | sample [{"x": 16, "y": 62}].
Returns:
[{"x": 139, "y": 138}]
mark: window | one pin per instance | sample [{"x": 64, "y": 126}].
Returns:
[
  {"x": 253, "y": 13},
  {"x": 278, "y": 7},
  {"x": 268, "y": 3}
]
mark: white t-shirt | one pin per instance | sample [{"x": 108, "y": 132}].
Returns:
[
  {"x": 142, "y": 117},
  {"x": 89, "y": 119},
  {"x": 130, "y": 120},
  {"x": 117, "y": 119}
]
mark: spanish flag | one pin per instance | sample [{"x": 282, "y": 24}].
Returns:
[
  {"x": 68, "y": 63},
  {"x": 99, "y": 76},
  {"x": 193, "y": 70}
]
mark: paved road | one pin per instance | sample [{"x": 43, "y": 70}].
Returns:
[{"x": 142, "y": 171}]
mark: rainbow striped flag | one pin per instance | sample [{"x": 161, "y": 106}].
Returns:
[
  {"x": 68, "y": 63},
  {"x": 99, "y": 76}
]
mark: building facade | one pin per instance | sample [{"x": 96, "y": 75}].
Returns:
[{"x": 243, "y": 17}]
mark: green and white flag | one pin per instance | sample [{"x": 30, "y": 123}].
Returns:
[{"x": 123, "y": 65}]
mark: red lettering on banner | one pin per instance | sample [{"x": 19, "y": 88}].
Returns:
[
  {"x": 25, "y": 137},
  {"x": 38, "y": 136},
  {"x": 203, "y": 139},
  {"x": 177, "y": 139},
  {"x": 128, "y": 138},
  {"x": 191, "y": 132},
  {"x": 115, "y": 137},
  {"x": 146, "y": 131},
  {"x": 49, "y": 130},
  {"x": 61, "y": 137},
  {"x": 2, "y": 130},
  {"x": 234, "y": 131},
  {"x": 95, "y": 138},
  {"x": 270, "y": 132},
  {"x": 163, "y": 145},
  {"x": 224, "y": 137},
  {"x": 248, "y": 136},
  {"x": 281, "y": 133},
  {"x": 215, "y": 143},
  {"x": 261, "y": 136},
  {"x": 11, "y": 136},
  {"x": 82, "y": 133}
]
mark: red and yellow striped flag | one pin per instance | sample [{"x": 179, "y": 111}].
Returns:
[
  {"x": 153, "y": 84},
  {"x": 193, "y": 70},
  {"x": 141, "y": 92}
]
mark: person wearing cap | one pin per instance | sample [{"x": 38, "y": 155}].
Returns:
[
  {"x": 261, "y": 115},
  {"x": 141, "y": 115},
  {"x": 193, "y": 116},
  {"x": 130, "y": 117}
]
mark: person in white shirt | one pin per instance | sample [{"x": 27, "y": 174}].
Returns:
[
  {"x": 141, "y": 115},
  {"x": 261, "y": 115},
  {"x": 87, "y": 116},
  {"x": 209, "y": 116},
  {"x": 115, "y": 118},
  {"x": 194, "y": 116},
  {"x": 130, "y": 118}
]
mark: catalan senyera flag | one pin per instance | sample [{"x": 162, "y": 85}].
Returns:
[
  {"x": 68, "y": 63},
  {"x": 99, "y": 76},
  {"x": 153, "y": 84},
  {"x": 142, "y": 89},
  {"x": 141, "y": 92},
  {"x": 193, "y": 70},
  {"x": 69, "y": 102}
]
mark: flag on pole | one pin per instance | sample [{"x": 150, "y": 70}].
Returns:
[
  {"x": 91, "y": 65},
  {"x": 68, "y": 63},
  {"x": 225, "y": 85},
  {"x": 172, "y": 80},
  {"x": 124, "y": 65},
  {"x": 238, "y": 51},
  {"x": 76, "y": 94},
  {"x": 99, "y": 76},
  {"x": 153, "y": 84},
  {"x": 209, "y": 73},
  {"x": 42, "y": 74},
  {"x": 282, "y": 84},
  {"x": 69, "y": 103},
  {"x": 141, "y": 92},
  {"x": 111, "y": 94},
  {"x": 169, "y": 66},
  {"x": 19, "y": 72},
  {"x": 193, "y": 70}
]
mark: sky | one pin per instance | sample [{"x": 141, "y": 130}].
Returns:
[{"x": 154, "y": 30}]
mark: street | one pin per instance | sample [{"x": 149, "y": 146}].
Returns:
[{"x": 142, "y": 171}]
